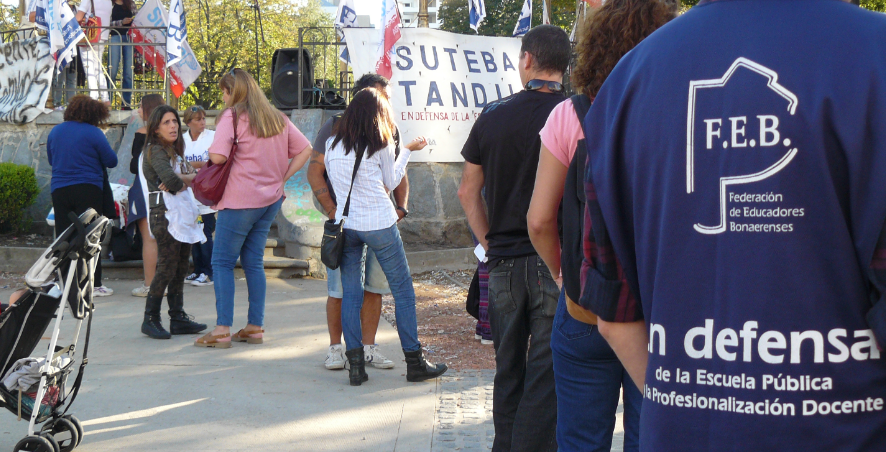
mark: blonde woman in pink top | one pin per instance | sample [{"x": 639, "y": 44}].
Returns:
[{"x": 269, "y": 152}]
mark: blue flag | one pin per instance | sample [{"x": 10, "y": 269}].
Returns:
[
  {"x": 63, "y": 30},
  {"x": 477, "y": 13},
  {"x": 524, "y": 23}
]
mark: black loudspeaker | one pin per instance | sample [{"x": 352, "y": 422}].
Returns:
[{"x": 284, "y": 83}]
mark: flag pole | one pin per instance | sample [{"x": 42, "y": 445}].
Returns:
[{"x": 108, "y": 79}]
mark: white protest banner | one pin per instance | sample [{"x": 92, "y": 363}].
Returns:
[
  {"x": 25, "y": 77},
  {"x": 183, "y": 73},
  {"x": 441, "y": 81}
]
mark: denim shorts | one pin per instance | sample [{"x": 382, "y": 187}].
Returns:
[{"x": 374, "y": 279}]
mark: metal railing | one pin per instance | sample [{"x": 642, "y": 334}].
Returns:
[
  {"x": 145, "y": 79},
  {"x": 332, "y": 81}
]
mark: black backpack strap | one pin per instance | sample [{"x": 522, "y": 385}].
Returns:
[
  {"x": 581, "y": 104},
  {"x": 345, "y": 212}
]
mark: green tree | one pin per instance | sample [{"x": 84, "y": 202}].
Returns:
[
  {"x": 874, "y": 5},
  {"x": 502, "y": 15},
  {"x": 222, "y": 34},
  {"x": 9, "y": 18}
]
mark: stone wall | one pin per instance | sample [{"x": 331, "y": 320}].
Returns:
[{"x": 435, "y": 220}]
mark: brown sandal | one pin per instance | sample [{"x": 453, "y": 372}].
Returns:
[
  {"x": 249, "y": 338},
  {"x": 208, "y": 340}
]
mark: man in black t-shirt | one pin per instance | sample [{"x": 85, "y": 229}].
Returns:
[{"x": 501, "y": 155}]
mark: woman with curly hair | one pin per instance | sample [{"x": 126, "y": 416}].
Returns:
[
  {"x": 587, "y": 372},
  {"x": 78, "y": 153}
]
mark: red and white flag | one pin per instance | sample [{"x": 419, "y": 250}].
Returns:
[{"x": 390, "y": 34}]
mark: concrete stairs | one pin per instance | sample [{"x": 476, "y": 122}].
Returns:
[{"x": 276, "y": 264}]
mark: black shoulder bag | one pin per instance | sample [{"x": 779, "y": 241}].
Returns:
[{"x": 333, "y": 244}]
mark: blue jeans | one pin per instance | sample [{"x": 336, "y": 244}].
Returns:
[
  {"x": 588, "y": 378},
  {"x": 243, "y": 233},
  {"x": 114, "y": 62},
  {"x": 202, "y": 252},
  {"x": 64, "y": 85},
  {"x": 388, "y": 250},
  {"x": 373, "y": 279}
]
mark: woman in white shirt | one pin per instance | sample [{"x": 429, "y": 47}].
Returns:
[
  {"x": 366, "y": 130},
  {"x": 92, "y": 62},
  {"x": 197, "y": 141}
]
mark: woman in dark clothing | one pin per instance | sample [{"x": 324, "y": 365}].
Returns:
[
  {"x": 121, "y": 18},
  {"x": 79, "y": 152},
  {"x": 164, "y": 153},
  {"x": 138, "y": 206}
]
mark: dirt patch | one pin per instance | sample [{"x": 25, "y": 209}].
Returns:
[
  {"x": 445, "y": 329},
  {"x": 25, "y": 240}
]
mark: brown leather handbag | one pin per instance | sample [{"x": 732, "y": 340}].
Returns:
[{"x": 209, "y": 185}]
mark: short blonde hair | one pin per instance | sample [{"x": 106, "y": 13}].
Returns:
[{"x": 194, "y": 113}]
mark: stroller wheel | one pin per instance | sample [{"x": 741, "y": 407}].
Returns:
[
  {"x": 35, "y": 444},
  {"x": 64, "y": 432},
  {"x": 78, "y": 425}
]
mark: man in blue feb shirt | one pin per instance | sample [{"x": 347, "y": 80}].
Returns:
[{"x": 739, "y": 160}]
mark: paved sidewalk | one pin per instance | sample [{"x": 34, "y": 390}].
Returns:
[
  {"x": 141, "y": 394},
  {"x": 464, "y": 414},
  {"x": 147, "y": 395}
]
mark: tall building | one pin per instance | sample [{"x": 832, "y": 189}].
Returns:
[
  {"x": 363, "y": 20},
  {"x": 409, "y": 13}
]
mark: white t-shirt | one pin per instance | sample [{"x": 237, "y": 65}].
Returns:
[
  {"x": 102, "y": 11},
  {"x": 198, "y": 151}
]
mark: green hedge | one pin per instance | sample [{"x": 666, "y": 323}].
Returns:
[{"x": 18, "y": 190}]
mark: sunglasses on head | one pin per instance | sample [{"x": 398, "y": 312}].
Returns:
[
  {"x": 535, "y": 84},
  {"x": 196, "y": 108}
]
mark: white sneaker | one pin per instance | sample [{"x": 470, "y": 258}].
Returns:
[
  {"x": 190, "y": 278},
  {"x": 485, "y": 342},
  {"x": 335, "y": 358},
  {"x": 376, "y": 359},
  {"x": 102, "y": 291},
  {"x": 478, "y": 337},
  {"x": 141, "y": 291},
  {"x": 202, "y": 280}
]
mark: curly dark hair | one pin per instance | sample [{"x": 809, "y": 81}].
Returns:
[
  {"x": 613, "y": 30},
  {"x": 86, "y": 109}
]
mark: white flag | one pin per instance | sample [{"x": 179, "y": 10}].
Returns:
[
  {"x": 346, "y": 17},
  {"x": 524, "y": 23},
  {"x": 63, "y": 30},
  {"x": 477, "y": 13},
  {"x": 545, "y": 14},
  {"x": 176, "y": 33}
]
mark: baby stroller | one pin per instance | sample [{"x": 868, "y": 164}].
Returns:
[{"x": 71, "y": 259}]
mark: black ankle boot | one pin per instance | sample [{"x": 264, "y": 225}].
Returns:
[
  {"x": 419, "y": 369},
  {"x": 179, "y": 321},
  {"x": 151, "y": 326},
  {"x": 357, "y": 372}
]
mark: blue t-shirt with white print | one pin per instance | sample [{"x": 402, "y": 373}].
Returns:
[{"x": 739, "y": 159}]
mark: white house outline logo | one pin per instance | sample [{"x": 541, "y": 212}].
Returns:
[{"x": 695, "y": 85}]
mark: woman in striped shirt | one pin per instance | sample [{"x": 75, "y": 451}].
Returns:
[{"x": 366, "y": 132}]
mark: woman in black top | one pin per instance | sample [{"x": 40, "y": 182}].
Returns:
[
  {"x": 138, "y": 206},
  {"x": 121, "y": 18}
]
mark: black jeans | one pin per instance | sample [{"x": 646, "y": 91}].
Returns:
[
  {"x": 77, "y": 198},
  {"x": 522, "y": 304},
  {"x": 202, "y": 252}
]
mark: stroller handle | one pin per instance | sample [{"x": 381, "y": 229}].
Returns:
[{"x": 81, "y": 230}]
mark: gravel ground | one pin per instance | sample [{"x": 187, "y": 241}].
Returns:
[{"x": 445, "y": 329}]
